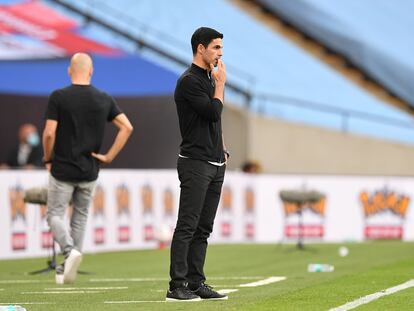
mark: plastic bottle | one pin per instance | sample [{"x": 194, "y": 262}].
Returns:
[
  {"x": 320, "y": 267},
  {"x": 12, "y": 308}
]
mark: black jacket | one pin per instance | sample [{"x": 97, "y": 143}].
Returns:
[{"x": 199, "y": 115}]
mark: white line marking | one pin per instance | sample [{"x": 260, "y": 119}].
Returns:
[
  {"x": 374, "y": 296},
  {"x": 60, "y": 292},
  {"x": 272, "y": 279},
  {"x": 166, "y": 279},
  {"x": 237, "y": 278},
  {"x": 18, "y": 281},
  {"x": 134, "y": 301},
  {"x": 85, "y": 288},
  {"x": 27, "y": 303},
  {"x": 129, "y": 280},
  {"x": 227, "y": 291}
]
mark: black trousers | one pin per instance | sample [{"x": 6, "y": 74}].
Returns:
[{"x": 201, "y": 184}]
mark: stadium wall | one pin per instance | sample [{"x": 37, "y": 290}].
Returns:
[
  {"x": 283, "y": 147},
  {"x": 137, "y": 209},
  {"x": 154, "y": 143}
]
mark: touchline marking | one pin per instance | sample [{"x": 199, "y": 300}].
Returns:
[
  {"x": 27, "y": 303},
  {"x": 135, "y": 301},
  {"x": 166, "y": 279},
  {"x": 129, "y": 280},
  {"x": 18, "y": 281},
  {"x": 68, "y": 292},
  {"x": 374, "y": 296},
  {"x": 236, "y": 278},
  {"x": 272, "y": 279},
  {"x": 85, "y": 288}
]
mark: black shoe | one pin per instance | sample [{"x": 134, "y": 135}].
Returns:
[
  {"x": 181, "y": 294},
  {"x": 206, "y": 292}
]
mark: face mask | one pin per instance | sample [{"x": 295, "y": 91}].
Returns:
[{"x": 33, "y": 139}]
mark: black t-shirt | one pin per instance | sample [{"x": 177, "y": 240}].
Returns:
[
  {"x": 199, "y": 114},
  {"x": 82, "y": 112}
]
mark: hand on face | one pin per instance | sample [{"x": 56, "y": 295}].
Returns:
[{"x": 218, "y": 75}]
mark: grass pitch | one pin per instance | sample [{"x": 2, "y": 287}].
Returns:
[{"x": 139, "y": 279}]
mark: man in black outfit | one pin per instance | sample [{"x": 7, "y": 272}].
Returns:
[
  {"x": 75, "y": 121},
  {"x": 201, "y": 165}
]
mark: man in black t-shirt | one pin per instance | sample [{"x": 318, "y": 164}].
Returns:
[
  {"x": 75, "y": 121},
  {"x": 201, "y": 165}
]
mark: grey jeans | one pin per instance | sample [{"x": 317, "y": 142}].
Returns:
[{"x": 59, "y": 195}]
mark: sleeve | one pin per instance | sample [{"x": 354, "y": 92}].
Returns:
[
  {"x": 193, "y": 91},
  {"x": 52, "y": 111},
  {"x": 114, "y": 109}
]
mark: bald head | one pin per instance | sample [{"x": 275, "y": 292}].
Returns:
[{"x": 81, "y": 68}]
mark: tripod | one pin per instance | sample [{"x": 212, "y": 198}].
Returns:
[
  {"x": 299, "y": 243},
  {"x": 51, "y": 262},
  {"x": 295, "y": 201},
  {"x": 39, "y": 196}
]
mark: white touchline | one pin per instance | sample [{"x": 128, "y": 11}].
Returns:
[
  {"x": 236, "y": 278},
  {"x": 27, "y": 303},
  {"x": 374, "y": 296},
  {"x": 18, "y": 281},
  {"x": 129, "y": 280},
  {"x": 135, "y": 301},
  {"x": 85, "y": 288},
  {"x": 166, "y": 279},
  {"x": 272, "y": 279},
  {"x": 61, "y": 292}
]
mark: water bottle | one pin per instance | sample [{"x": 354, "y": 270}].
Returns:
[
  {"x": 12, "y": 308},
  {"x": 320, "y": 267}
]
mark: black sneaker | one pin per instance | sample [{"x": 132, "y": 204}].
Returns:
[
  {"x": 181, "y": 294},
  {"x": 206, "y": 292}
]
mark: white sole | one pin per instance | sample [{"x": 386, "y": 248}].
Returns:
[
  {"x": 59, "y": 279},
  {"x": 182, "y": 300},
  {"x": 224, "y": 298},
  {"x": 71, "y": 266}
]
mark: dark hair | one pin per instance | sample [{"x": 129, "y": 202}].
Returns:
[{"x": 204, "y": 36}]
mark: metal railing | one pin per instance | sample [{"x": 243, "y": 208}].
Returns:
[
  {"x": 344, "y": 114},
  {"x": 145, "y": 44}
]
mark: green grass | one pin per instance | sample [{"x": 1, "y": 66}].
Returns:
[{"x": 369, "y": 267}]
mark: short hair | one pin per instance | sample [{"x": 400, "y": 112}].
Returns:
[{"x": 204, "y": 36}]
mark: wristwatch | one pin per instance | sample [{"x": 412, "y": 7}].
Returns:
[{"x": 228, "y": 153}]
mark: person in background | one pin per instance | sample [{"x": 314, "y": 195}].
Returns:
[
  {"x": 75, "y": 121},
  {"x": 251, "y": 167},
  {"x": 28, "y": 153}
]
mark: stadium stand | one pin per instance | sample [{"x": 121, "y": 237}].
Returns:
[
  {"x": 291, "y": 85},
  {"x": 374, "y": 34},
  {"x": 284, "y": 80}
]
